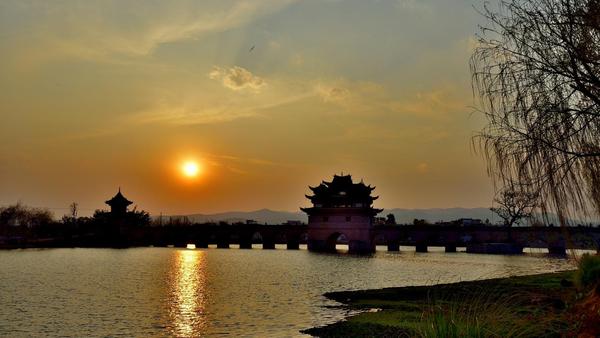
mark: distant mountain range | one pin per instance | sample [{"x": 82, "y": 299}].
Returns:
[
  {"x": 260, "y": 216},
  {"x": 402, "y": 215}
]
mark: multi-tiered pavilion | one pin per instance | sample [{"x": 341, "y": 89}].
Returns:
[
  {"x": 118, "y": 204},
  {"x": 341, "y": 209}
]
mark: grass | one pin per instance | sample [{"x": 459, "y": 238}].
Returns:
[{"x": 526, "y": 306}]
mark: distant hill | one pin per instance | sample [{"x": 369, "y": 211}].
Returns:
[
  {"x": 260, "y": 216},
  {"x": 402, "y": 215}
]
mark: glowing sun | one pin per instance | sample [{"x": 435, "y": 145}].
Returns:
[{"x": 190, "y": 169}]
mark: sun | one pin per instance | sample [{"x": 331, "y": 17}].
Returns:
[{"x": 190, "y": 169}]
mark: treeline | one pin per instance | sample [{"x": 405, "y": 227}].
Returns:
[{"x": 23, "y": 224}]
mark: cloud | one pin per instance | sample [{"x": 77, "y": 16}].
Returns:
[
  {"x": 422, "y": 168},
  {"x": 413, "y": 5},
  {"x": 297, "y": 60},
  {"x": 355, "y": 96},
  {"x": 237, "y": 78},
  {"x": 274, "y": 45},
  {"x": 210, "y": 109},
  {"x": 439, "y": 102},
  {"x": 329, "y": 93},
  {"x": 109, "y": 30}
]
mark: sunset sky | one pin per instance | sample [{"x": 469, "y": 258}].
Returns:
[{"x": 266, "y": 97}]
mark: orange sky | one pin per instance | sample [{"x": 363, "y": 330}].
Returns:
[{"x": 100, "y": 94}]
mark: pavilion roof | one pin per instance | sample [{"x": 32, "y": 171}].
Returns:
[
  {"x": 342, "y": 190},
  {"x": 118, "y": 199}
]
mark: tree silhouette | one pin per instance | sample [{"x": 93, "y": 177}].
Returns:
[
  {"x": 417, "y": 221},
  {"x": 71, "y": 217},
  {"x": 73, "y": 208},
  {"x": 19, "y": 215},
  {"x": 514, "y": 205},
  {"x": 536, "y": 71},
  {"x": 131, "y": 218}
]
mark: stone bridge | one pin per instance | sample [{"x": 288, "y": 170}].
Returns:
[{"x": 480, "y": 239}]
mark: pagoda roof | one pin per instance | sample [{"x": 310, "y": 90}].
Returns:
[
  {"x": 118, "y": 199},
  {"x": 341, "y": 191},
  {"x": 344, "y": 180}
]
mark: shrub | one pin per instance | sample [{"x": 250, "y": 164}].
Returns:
[{"x": 588, "y": 272}]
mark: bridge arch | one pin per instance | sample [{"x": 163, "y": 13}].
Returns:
[{"x": 334, "y": 239}]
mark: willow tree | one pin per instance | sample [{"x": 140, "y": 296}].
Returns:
[{"x": 536, "y": 72}]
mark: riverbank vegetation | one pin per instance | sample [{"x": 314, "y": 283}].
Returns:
[
  {"x": 546, "y": 305},
  {"x": 25, "y": 226}
]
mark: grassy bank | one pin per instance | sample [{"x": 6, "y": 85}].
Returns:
[{"x": 526, "y": 306}]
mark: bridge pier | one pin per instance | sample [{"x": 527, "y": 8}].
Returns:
[
  {"x": 223, "y": 245},
  {"x": 421, "y": 247},
  {"x": 293, "y": 245},
  {"x": 201, "y": 244},
  {"x": 393, "y": 246},
  {"x": 559, "y": 250},
  {"x": 268, "y": 245},
  {"x": 450, "y": 247},
  {"x": 245, "y": 244},
  {"x": 360, "y": 247},
  {"x": 316, "y": 245},
  {"x": 557, "y": 246}
]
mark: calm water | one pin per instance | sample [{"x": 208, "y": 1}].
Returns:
[{"x": 212, "y": 292}]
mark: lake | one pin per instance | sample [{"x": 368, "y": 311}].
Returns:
[{"x": 154, "y": 292}]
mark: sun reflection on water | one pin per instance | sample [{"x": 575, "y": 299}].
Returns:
[{"x": 188, "y": 293}]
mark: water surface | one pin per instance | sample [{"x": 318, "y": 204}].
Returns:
[{"x": 212, "y": 292}]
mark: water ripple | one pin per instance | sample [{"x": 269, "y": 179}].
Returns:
[{"x": 156, "y": 292}]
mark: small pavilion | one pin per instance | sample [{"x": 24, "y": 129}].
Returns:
[{"x": 118, "y": 204}]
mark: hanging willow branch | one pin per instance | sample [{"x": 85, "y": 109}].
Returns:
[{"x": 536, "y": 72}]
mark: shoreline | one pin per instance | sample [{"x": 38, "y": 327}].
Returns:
[{"x": 543, "y": 300}]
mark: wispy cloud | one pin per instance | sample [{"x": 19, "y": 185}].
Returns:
[
  {"x": 439, "y": 102},
  {"x": 237, "y": 78},
  {"x": 332, "y": 93},
  {"x": 233, "y": 163},
  {"x": 190, "y": 112},
  {"x": 112, "y": 29},
  {"x": 247, "y": 160},
  {"x": 356, "y": 96}
]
